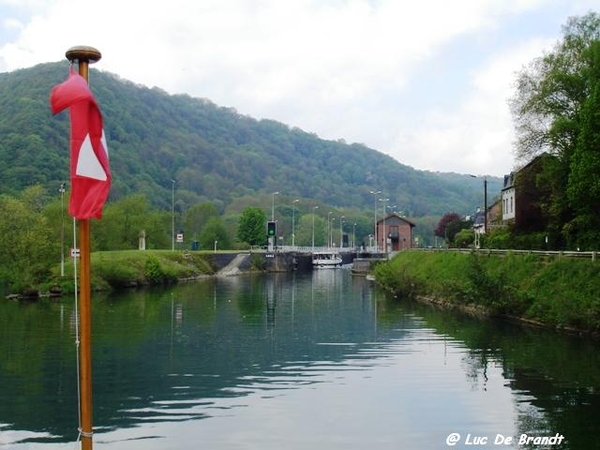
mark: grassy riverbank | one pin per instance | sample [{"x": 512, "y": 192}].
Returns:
[
  {"x": 128, "y": 268},
  {"x": 558, "y": 292}
]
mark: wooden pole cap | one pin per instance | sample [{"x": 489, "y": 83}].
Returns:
[{"x": 83, "y": 53}]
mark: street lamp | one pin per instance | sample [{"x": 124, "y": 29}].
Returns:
[
  {"x": 331, "y": 233},
  {"x": 273, "y": 205},
  {"x": 62, "y": 229},
  {"x": 375, "y": 193},
  {"x": 384, "y": 235},
  {"x": 329, "y": 229},
  {"x": 313, "y": 227},
  {"x": 354, "y": 235},
  {"x": 341, "y": 231},
  {"x": 485, "y": 208},
  {"x": 173, "y": 215},
  {"x": 293, "y": 226}
]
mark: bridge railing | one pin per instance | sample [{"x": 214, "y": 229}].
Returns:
[
  {"x": 310, "y": 249},
  {"x": 306, "y": 249},
  {"x": 491, "y": 251}
]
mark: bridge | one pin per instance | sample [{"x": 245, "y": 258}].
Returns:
[
  {"x": 284, "y": 258},
  {"x": 311, "y": 250}
]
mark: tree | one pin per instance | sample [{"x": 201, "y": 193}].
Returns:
[
  {"x": 457, "y": 226},
  {"x": 583, "y": 186},
  {"x": 556, "y": 111},
  {"x": 26, "y": 249},
  {"x": 214, "y": 231},
  {"x": 442, "y": 228},
  {"x": 123, "y": 221},
  {"x": 304, "y": 230},
  {"x": 196, "y": 218},
  {"x": 252, "y": 226},
  {"x": 552, "y": 90},
  {"x": 464, "y": 238}
]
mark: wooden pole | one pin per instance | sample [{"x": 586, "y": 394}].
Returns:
[{"x": 85, "y": 56}]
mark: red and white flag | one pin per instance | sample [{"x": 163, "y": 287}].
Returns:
[{"x": 90, "y": 171}]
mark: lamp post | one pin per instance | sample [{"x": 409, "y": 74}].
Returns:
[
  {"x": 273, "y": 205},
  {"x": 354, "y": 235},
  {"x": 313, "y": 227},
  {"x": 62, "y": 229},
  {"x": 485, "y": 208},
  {"x": 329, "y": 229},
  {"x": 172, "y": 215},
  {"x": 383, "y": 233},
  {"x": 293, "y": 222},
  {"x": 331, "y": 233},
  {"x": 341, "y": 231},
  {"x": 375, "y": 193}
]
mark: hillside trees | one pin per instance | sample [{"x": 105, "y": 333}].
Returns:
[
  {"x": 214, "y": 153},
  {"x": 556, "y": 111}
]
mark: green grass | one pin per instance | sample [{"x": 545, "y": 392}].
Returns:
[
  {"x": 554, "y": 291},
  {"x": 118, "y": 269}
]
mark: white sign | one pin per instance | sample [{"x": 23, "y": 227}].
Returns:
[
  {"x": 179, "y": 237},
  {"x": 75, "y": 253}
]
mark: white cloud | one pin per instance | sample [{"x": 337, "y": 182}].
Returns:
[{"x": 476, "y": 135}]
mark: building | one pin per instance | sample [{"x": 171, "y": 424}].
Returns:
[
  {"x": 508, "y": 197},
  {"x": 394, "y": 233},
  {"x": 522, "y": 197}
]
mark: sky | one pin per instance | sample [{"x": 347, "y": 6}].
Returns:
[{"x": 426, "y": 82}]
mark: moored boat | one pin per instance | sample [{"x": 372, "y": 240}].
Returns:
[{"x": 326, "y": 259}]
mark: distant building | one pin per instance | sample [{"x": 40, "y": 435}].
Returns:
[
  {"x": 508, "y": 197},
  {"x": 494, "y": 215},
  {"x": 493, "y": 220},
  {"x": 394, "y": 233},
  {"x": 522, "y": 197}
]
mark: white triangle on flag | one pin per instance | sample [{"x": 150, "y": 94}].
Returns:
[
  {"x": 103, "y": 140},
  {"x": 88, "y": 165}
]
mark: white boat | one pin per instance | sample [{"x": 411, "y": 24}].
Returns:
[{"x": 326, "y": 259}]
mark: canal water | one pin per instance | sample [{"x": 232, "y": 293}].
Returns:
[{"x": 320, "y": 360}]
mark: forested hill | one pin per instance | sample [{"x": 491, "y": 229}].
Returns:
[{"x": 213, "y": 153}]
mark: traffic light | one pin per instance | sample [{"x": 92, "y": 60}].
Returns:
[{"x": 271, "y": 228}]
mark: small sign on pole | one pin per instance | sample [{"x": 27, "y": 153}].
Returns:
[
  {"x": 179, "y": 237},
  {"x": 75, "y": 253}
]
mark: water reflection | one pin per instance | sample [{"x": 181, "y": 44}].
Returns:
[{"x": 320, "y": 360}]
